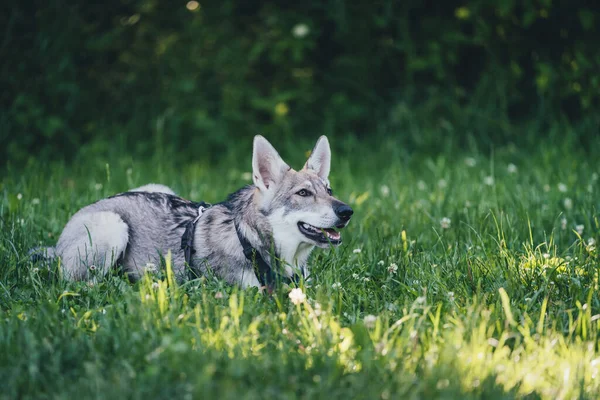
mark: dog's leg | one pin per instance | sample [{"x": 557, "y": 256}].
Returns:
[{"x": 91, "y": 243}]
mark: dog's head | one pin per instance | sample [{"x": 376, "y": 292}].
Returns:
[{"x": 299, "y": 205}]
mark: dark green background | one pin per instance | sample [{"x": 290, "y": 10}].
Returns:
[{"x": 142, "y": 75}]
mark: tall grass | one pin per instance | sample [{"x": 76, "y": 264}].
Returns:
[{"x": 462, "y": 275}]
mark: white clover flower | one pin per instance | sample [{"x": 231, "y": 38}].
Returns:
[
  {"x": 385, "y": 190},
  {"x": 300, "y": 31},
  {"x": 357, "y": 251},
  {"x": 370, "y": 321},
  {"x": 563, "y": 223},
  {"x": 562, "y": 187},
  {"x": 155, "y": 285},
  {"x": 445, "y": 223},
  {"x": 591, "y": 245},
  {"x": 366, "y": 279},
  {"x": 297, "y": 296},
  {"x": 103, "y": 311},
  {"x": 355, "y": 276},
  {"x": 511, "y": 168},
  {"x": 489, "y": 180},
  {"x": 336, "y": 286},
  {"x": 19, "y": 196},
  {"x": 380, "y": 262},
  {"x": 568, "y": 203},
  {"x": 35, "y": 201},
  {"x": 442, "y": 183},
  {"x": 470, "y": 162},
  {"x": 393, "y": 268},
  {"x": 451, "y": 296},
  {"x": 546, "y": 255},
  {"x": 36, "y": 270},
  {"x": 579, "y": 229}
]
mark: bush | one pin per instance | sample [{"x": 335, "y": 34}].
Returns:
[{"x": 202, "y": 74}]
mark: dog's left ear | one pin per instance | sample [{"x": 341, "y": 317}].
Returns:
[{"x": 320, "y": 158}]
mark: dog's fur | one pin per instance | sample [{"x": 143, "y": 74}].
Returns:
[{"x": 135, "y": 229}]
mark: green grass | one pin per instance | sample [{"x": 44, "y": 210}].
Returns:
[{"x": 499, "y": 300}]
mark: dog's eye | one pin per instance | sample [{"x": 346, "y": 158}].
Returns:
[
  {"x": 304, "y": 193},
  {"x": 329, "y": 191}
]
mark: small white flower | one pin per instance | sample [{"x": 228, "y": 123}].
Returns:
[
  {"x": 594, "y": 177},
  {"x": 470, "y": 162},
  {"x": 421, "y": 185},
  {"x": 155, "y": 285},
  {"x": 355, "y": 276},
  {"x": 36, "y": 270},
  {"x": 568, "y": 203},
  {"x": 511, "y": 168},
  {"x": 380, "y": 262},
  {"x": 489, "y": 180},
  {"x": 579, "y": 229},
  {"x": 562, "y": 187},
  {"x": 445, "y": 223},
  {"x": 391, "y": 307},
  {"x": 219, "y": 295},
  {"x": 300, "y": 31},
  {"x": 35, "y": 201},
  {"x": 546, "y": 255},
  {"x": 92, "y": 267},
  {"x": 451, "y": 296},
  {"x": 366, "y": 279},
  {"x": 356, "y": 251},
  {"x": 546, "y": 188},
  {"x": 370, "y": 321},
  {"x": 103, "y": 311},
  {"x": 297, "y": 296},
  {"x": 98, "y": 186},
  {"x": 19, "y": 196},
  {"x": 385, "y": 190},
  {"x": 420, "y": 300},
  {"x": 336, "y": 286},
  {"x": 393, "y": 268},
  {"x": 442, "y": 183},
  {"x": 591, "y": 245},
  {"x": 563, "y": 223},
  {"x": 150, "y": 267}
]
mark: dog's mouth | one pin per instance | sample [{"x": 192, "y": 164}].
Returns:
[{"x": 321, "y": 235}]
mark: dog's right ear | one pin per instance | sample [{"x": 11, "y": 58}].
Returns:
[{"x": 267, "y": 166}]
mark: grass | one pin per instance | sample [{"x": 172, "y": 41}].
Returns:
[{"x": 463, "y": 275}]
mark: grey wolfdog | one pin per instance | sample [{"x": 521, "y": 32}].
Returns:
[{"x": 262, "y": 233}]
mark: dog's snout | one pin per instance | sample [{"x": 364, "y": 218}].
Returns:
[{"x": 344, "y": 211}]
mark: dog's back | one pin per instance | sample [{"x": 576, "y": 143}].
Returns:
[{"x": 147, "y": 225}]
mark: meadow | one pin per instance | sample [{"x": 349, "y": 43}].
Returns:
[{"x": 463, "y": 274}]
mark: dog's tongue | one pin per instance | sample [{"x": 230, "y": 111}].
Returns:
[{"x": 332, "y": 233}]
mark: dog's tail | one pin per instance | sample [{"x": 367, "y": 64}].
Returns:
[{"x": 42, "y": 254}]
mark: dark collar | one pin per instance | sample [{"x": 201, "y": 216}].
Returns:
[{"x": 265, "y": 274}]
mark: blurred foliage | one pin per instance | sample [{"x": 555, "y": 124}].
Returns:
[{"x": 175, "y": 75}]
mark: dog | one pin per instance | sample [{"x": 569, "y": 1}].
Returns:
[{"x": 261, "y": 234}]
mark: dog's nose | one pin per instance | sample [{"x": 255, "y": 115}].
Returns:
[{"x": 344, "y": 212}]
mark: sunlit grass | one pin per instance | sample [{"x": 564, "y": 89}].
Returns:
[{"x": 461, "y": 276}]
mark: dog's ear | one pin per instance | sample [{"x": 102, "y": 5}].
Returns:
[
  {"x": 320, "y": 158},
  {"x": 267, "y": 166}
]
